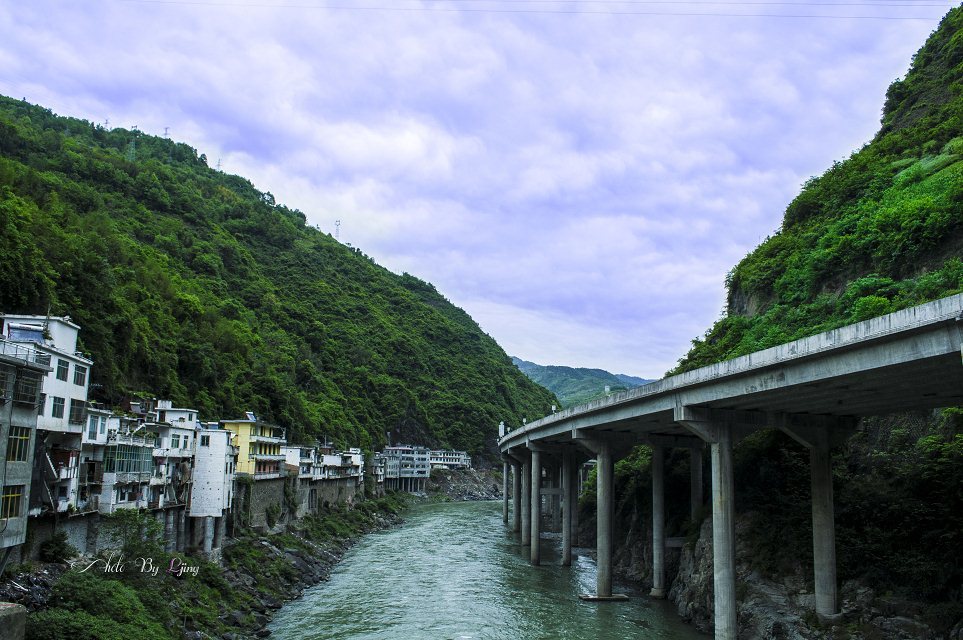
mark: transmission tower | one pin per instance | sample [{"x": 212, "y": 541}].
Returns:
[{"x": 337, "y": 230}]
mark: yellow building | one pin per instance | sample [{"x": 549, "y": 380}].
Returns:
[{"x": 259, "y": 445}]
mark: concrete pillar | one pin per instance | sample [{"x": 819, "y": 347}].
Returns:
[
  {"x": 505, "y": 492},
  {"x": 536, "y": 521},
  {"x": 13, "y": 621},
  {"x": 658, "y": 522},
  {"x": 723, "y": 535},
  {"x": 180, "y": 523},
  {"x": 556, "y": 499},
  {"x": 208, "y": 534},
  {"x": 824, "y": 530},
  {"x": 219, "y": 532},
  {"x": 526, "y": 501},
  {"x": 695, "y": 483},
  {"x": 170, "y": 538},
  {"x": 576, "y": 490},
  {"x": 567, "y": 490},
  {"x": 516, "y": 496},
  {"x": 605, "y": 509}
]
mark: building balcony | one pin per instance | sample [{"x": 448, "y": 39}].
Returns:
[
  {"x": 267, "y": 456},
  {"x": 131, "y": 439},
  {"x": 269, "y": 439},
  {"x": 267, "y": 475}
]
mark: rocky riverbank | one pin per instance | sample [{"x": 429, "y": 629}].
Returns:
[
  {"x": 465, "y": 484},
  {"x": 231, "y": 600},
  {"x": 772, "y": 608}
]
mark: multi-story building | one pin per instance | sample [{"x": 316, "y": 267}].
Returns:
[
  {"x": 301, "y": 457},
  {"x": 22, "y": 370},
  {"x": 128, "y": 465},
  {"x": 259, "y": 447},
  {"x": 176, "y": 438},
  {"x": 212, "y": 492},
  {"x": 412, "y": 466},
  {"x": 61, "y": 408},
  {"x": 447, "y": 459}
]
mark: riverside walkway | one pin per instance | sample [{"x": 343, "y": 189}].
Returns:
[{"x": 814, "y": 389}]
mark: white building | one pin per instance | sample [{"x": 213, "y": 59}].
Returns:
[
  {"x": 61, "y": 411},
  {"x": 447, "y": 459},
  {"x": 411, "y": 463},
  {"x": 21, "y": 370},
  {"x": 215, "y": 462}
]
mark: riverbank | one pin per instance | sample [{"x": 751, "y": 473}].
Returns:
[
  {"x": 143, "y": 593},
  {"x": 461, "y": 485}
]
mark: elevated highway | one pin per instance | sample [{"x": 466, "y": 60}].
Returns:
[{"x": 815, "y": 389}]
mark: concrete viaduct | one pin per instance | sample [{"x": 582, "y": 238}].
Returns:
[{"x": 814, "y": 389}]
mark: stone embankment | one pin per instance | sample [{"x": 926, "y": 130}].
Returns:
[{"x": 465, "y": 484}]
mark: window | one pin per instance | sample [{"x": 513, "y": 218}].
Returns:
[
  {"x": 103, "y": 425},
  {"x": 41, "y": 404},
  {"x": 17, "y": 444},
  {"x": 27, "y": 388},
  {"x": 57, "y": 410},
  {"x": 11, "y": 501},
  {"x": 80, "y": 375},
  {"x": 175, "y": 441},
  {"x": 205, "y": 441},
  {"x": 91, "y": 427},
  {"x": 76, "y": 411},
  {"x": 187, "y": 442},
  {"x": 63, "y": 367}
]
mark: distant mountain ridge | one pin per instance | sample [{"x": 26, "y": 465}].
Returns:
[{"x": 576, "y": 385}]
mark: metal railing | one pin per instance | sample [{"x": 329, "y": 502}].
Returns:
[{"x": 22, "y": 352}]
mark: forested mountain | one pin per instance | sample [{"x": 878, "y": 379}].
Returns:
[
  {"x": 577, "y": 385},
  {"x": 191, "y": 284},
  {"x": 878, "y": 232}
]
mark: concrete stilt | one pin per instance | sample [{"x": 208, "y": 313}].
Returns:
[
  {"x": 505, "y": 492},
  {"x": 605, "y": 512},
  {"x": 695, "y": 483},
  {"x": 576, "y": 489},
  {"x": 824, "y": 530},
  {"x": 723, "y": 535},
  {"x": 658, "y": 522},
  {"x": 170, "y": 539},
  {"x": 556, "y": 498},
  {"x": 517, "y": 496},
  {"x": 208, "y": 534},
  {"x": 536, "y": 521},
  {"x": 526, "y": 501},
  {"x": 567, "y": 509}
]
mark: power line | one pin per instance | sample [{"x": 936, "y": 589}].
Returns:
[{"x": 325, "y": 7}]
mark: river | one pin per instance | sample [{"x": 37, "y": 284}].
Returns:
[{"x": 452, "y": 571}]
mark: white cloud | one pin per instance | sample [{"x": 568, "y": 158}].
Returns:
[{"x": 581, "y": 184}]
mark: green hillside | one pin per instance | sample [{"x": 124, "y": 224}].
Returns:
[
  {"x": 880, "y": 231},
  {"x": 191, "y": 284},
  {"x": 577, "y": 385}
]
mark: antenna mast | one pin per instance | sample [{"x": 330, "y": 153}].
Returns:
[{"x": 337, "y": 230}]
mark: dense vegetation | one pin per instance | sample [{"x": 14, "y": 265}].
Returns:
[
  {"x": 878, "y": 232},
  {"x": 135, "y": 605},
  {"x": 575, "y": 386},
  {"x": 191, "y": 284}
]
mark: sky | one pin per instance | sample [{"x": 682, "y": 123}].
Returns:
[{"x": 579, "y": 176}]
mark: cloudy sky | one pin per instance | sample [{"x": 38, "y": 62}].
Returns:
[{"x": 579, "y": 176}]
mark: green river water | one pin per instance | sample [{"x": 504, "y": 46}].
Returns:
[{"x": 453, "y": 571}]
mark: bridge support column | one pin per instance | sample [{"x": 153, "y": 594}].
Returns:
[
  {"x": 576, "y": 485},
  {"x": 505, "y": 466},
  {"x": 695, "y": 483},
  {"x": 824, "y": 531},
  {"x": 606, "y": 509},
  {"x": 557, "y": 499},
  {"x": 517, "y": 496},
  {"x": 816, "y": 438},
  {"x": 535, "y": 557},
  {"x": 526, "y": 501},
  {"x": 658, "y": 522},
  {"x": 720, "y": 438},
  {"x": 567, "y": 491}
]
